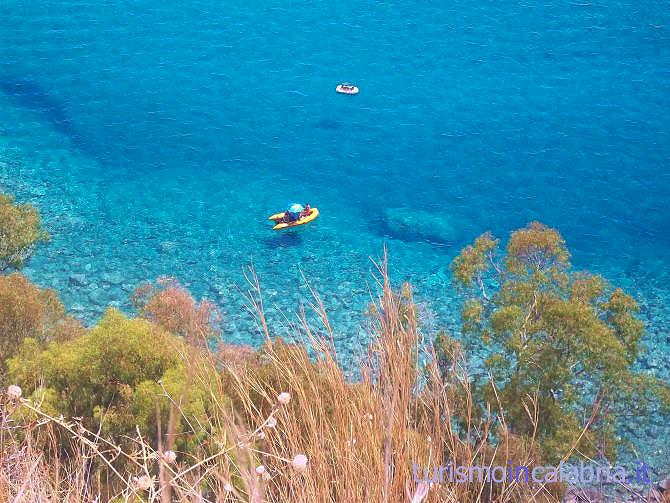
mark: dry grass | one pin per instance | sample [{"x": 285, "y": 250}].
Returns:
[{"x": 361, "y": 439}]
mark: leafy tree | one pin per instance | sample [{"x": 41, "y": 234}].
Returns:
[
  {"x": 565, "y": 337},
  {"x": 20, "y": 230},
  {"x": 116, "y": 375},
  {"x": 27, "y": 311}
]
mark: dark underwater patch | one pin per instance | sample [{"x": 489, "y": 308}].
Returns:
[
  {"x": 329, "y": 124},
  {"x": 412, "y": 225},
  {"x": 32, "y": 96}
]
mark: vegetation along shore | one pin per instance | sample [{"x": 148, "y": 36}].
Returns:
[{"x": 155, "y": 406}]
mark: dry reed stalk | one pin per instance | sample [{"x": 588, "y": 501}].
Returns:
[{"x": 287, "y": 427}]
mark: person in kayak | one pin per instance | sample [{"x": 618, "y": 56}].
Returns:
[
  {"x": 306, "y": 211},
  {"x": 293, "y": 213}
]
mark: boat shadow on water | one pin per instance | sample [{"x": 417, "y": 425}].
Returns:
[{"x": 283, "y": 239}]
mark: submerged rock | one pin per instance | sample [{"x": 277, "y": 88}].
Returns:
[
  {"x": 38, "y": 192},
  {"x": 77, "y": 280},
  {"x": 77, "y": 308},
  {"x": 410, "y": 224},
  {"x": 113, "y": 278},
  {"x": 166, "y": 246},
  {"x": 97, "y": 297}
]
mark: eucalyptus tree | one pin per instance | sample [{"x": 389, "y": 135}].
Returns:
[{"x": 564, "y": 338}]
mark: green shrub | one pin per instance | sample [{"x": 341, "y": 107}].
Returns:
[
  {"x": 116, "y": 375},
  {"x": 27, "y": 311},
  {"x": 20, "y": 230}
]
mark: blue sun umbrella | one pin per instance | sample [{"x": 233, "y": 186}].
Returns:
[{"x": 295, "y": 209}]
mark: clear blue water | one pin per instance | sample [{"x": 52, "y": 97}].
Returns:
[{"x": 156, "y": 138}]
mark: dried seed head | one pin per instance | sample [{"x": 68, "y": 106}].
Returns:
[
  {"x": 299, "y": 463},
  {"x": 170, "y": 457},
  {"x": 144, "y": 482},
  {"x": 284, "y": 398},
  {"x": 14, "y": 392}
]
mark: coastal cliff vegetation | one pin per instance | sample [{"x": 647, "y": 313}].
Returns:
[{"x": 156, "y": 406}]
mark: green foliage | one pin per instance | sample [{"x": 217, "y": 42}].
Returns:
[
  {"x": 564, "y": 337},
  {"x": 27, "y": 311},
  {"x": 474, "y": 260},
  {"x": 20, "y": 230},
  {"x": 115, "y": 375}
]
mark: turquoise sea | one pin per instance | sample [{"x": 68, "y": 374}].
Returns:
[{"x": 156, "y": 137}]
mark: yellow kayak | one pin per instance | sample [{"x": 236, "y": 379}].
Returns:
[{"x": 301, "y": 221}]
